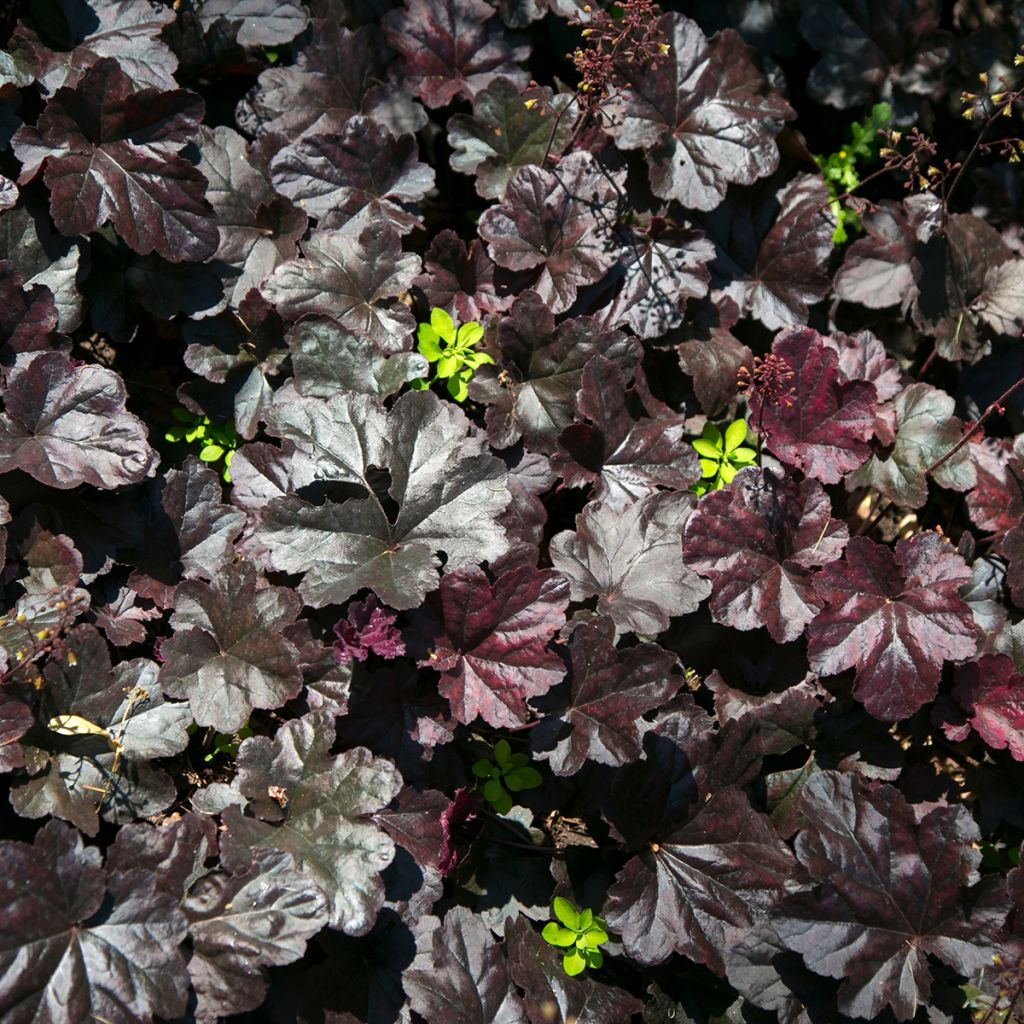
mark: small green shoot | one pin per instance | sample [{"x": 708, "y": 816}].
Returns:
[
  {"x": 579, "y": 933},
  {"x": 215, "y": 440},
  {"x": 508, "y": 772},
  {"x": 721, "y": 458},
  {"x": 840, "y": 169},
  {"x": 452, "y": 350}
]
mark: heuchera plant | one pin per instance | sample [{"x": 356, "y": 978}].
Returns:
[{"x": 599, "y": 528}]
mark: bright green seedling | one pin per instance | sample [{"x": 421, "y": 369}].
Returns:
[
  {"x": 840, "y": 169},
  {"x": 215, "y": 440},
  {"x": 507, "y": 772},
  {"x": 453, "y": 352},
  {"x": 721, "y": 458},
  {"x": 579, "y": 934}
]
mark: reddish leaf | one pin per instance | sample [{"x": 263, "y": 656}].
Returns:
[
  {"x": 701, "y": 116},
  {"x": 557, "y": 221},
  {"x": 991, "y": 691},
  {"x": 877, "y": 270},
  {"x": 452, "y": 48},
  {"x": 611, "y": 691},
  {"x": 822, "y": 428},
  {"x": 111, "y": 155},
  {"x": 894, "y": 617},
  {"x": 888, "y": 895},
  {"x": 996, "y": 503},
  {"x": 757, "y": 542},
  {"x": 494, "y": 653}
]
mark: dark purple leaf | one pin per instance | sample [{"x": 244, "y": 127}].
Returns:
[
  {"x": 368, "y": 629},
  {"x": 504, "y": 134},
  {"x": 363, "y": 168},
  {"x": 996, "y": 503},
  {"x": 66, "y": 425},
  {"x": 560, "y": 221},
  {"x": 758, "y": 541},
  {"x": 625, "y": 459},
  {"x": 551, "y": 996},
  {"x": 926, "y": 430},
  {"x": 823, "y": 426},
  {"x": 532, "y": 394},
  {"x": 991, "y": 691},
  {"x": 452, "y": 48},
  {"x": 328, "y": 359},
  {"x": 632, "y": 560},
  {"x": 448, "y": 491},
  {"x": 123, "y": 965},
  {"x": 611, "y": 690},
  {"x": 188, "y": 531},
  {"x": 337, "y": 73},
  {"x": 894, "y": 617},
  {"x": 77, "y": 774},
  {"x": 127, "y": 31},
  {"x": 415, "y": 822},
  {"x": 888, "y": 895},
  {"x": 28, "y": 316},
  {"x": 111, "y": 154},
  {"x": 461, "y": 976},
  {"x": 318, "y": 808},
  {"x": 1013, "y": 549},
  {"x": 243, "y": 922},
  {"x": 260, "y": 22},
  {"x": 466, "y": 283},
  {"x": 493, "y": 655},
  {"x": 228, "y": 654},
  {"x": 258, "y": 229},
  {"x": 353, "y": 278},
  {"x": 701, "y": 116},
  {"x": 773, "y": 243},
  {"x": 872, "y": 49},
  {"x": 713, "y": 362},
  {"x": 120, "y": 618},
  {"x": 877, "y": 270},
  {"x": 659, "y": 272},
  {"x": 721, "y": 870}
]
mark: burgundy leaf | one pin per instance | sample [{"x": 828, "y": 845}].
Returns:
[
  {"x": 123, "y": 964},
  {"x": 260, "y": 22},
  {"x": 926, "y": 430},
  {"x": 452, "y": 48},
  {"x": 363, "y": 168},
  {"x": 337, "y": 73},
  {"x": 877, "y": 270},
  {"x": 888, "y": 895},
  {"x": 773, "y": 243},
  {"x": 461, "y": 976},
  {"x": 611, "y": 691},
  {"x": 228, "y": 654},
  {"x": 493, "y": 655},
  {"x": 996, "y": 503},
  {"x": 626, "y": 459},
  {"x": 713, "y": 363},
  {"x": 504, "y": 134},
  {"x": 123, "y": 30},
  {"x": 895, "y": 617},
  {"x": 719, "y": 871},
  {"x": 540, "y": 368},
  {"x": 701, "y": 116},
  {"x": 559, "y": 221},
  {"x": 111, "y": 154},
  {"x": 258, "y": 229},
  {"x": 823, "y": 427},
  {"x": 991, "y": 691},
  {"x": 758, "y": 541},
  {"x": 369, "y": 628},
  {"x": 632, "y": 560},
  {"x": 658, "y": 273},
  {"x": 67, "y": 425},
  {"x": 353, "y": 278}
]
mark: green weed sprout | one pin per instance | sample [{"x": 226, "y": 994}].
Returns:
[
  {"x": 215, "y": 440},
  {"x": 721, "y": 458},
  {"x": 452, "y": 350},
  {"x": 579, "y": 933},
  {"x": 840, "y": 169},
  {"x": 507, "y": 772}
]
